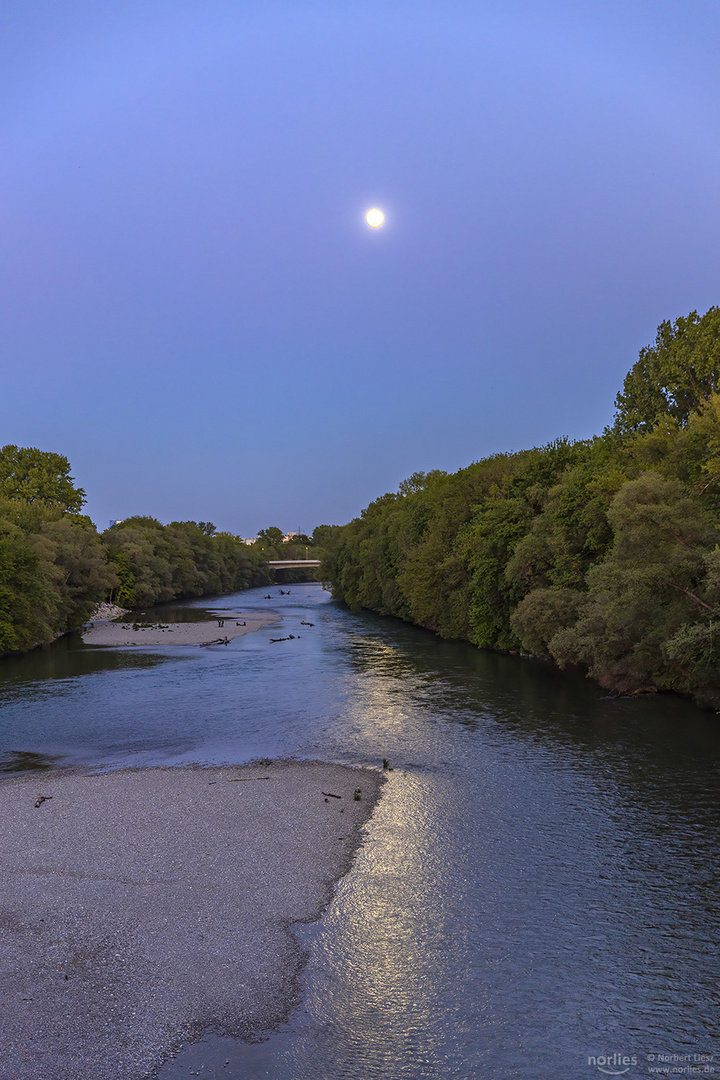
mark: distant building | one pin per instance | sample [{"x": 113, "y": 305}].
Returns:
[
  {"x": 253, "y": 539},
  {"x": 115, "y": 521}
]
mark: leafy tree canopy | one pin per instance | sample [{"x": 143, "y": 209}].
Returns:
[
  {"x": 674, "y": 376},
  {"x": 39, "y": 476},
  {"x": 271, "y": 537},
  {"x": 420, "y": 480},
  {"x": 322, "y": 534}
]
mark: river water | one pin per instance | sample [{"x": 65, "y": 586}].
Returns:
[{"x": 538, "y": 895}]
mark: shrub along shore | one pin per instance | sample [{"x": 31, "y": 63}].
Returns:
[{"x": 601, "y": 554}]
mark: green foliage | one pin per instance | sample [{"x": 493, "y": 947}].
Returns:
[
  {"x": 673, "y": 377},
  {"x": 270, "y": 539},
  {"x": 33, "y": 475},
  {"x": 52, "y": 572},
  {"x": 419, "y": 480},
  {"x": 435, "y": 552},
  {"x": 27, "y": 608},
  {"x": 322, "y": 535},
  {"x": 651, "y": 588},
  {"x": 155, "y": 563},
  {"x": 82, "y": 574},
  {"x": 572, "y": 530},
  {"x": 54, "y": 568},
  {"x": 488, "y": 545},
  {"x": 601, "y": 553},
  {"x": 695, "y": 648},
  {"x": 542, "y": 614}
]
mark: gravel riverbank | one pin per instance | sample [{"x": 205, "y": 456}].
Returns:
[
  {"x": 139, "y": 632},
  {"x": 145, "y": 905}
]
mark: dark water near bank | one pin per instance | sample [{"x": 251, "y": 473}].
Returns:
[{"x": 540, "y": 883}]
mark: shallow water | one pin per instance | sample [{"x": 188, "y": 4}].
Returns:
[{"x": 539, "y": 884}]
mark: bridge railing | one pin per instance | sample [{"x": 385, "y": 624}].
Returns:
[{"x": 287, "y": 564}]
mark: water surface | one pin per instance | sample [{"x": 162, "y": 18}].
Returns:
[{"x": 539, "y": 884}]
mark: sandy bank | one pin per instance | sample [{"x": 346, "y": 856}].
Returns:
[
  {"x": 140, "y": 906},
  {"x": 131, "y": 632}
]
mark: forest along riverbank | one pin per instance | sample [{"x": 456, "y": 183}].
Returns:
[{"x": 144, "y": 905}]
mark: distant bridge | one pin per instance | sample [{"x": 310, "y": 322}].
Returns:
[{"x": 293, "y": 564}]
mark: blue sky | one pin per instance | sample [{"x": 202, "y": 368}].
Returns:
[{"x": 193, "y": 310}]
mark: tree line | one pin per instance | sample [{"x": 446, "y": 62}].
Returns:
[
  {"x": 55, "y": 567},
  {"x": 600, "y": 553}
]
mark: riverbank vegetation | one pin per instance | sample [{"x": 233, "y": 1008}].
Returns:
[
  {"x": 601, "y": 554},
  {"x": 55, "y": 568},
  {"x": 154, "y": 563}
]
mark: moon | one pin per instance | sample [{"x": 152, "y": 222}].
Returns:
[{"x": 375, "y": 218}]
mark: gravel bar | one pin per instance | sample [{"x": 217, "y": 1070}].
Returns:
[
  {"x": 127, "y": 633},
  {"x": 143, "y": 906}
]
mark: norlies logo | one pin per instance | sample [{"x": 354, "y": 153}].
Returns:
[{"x": 613, "y": 1064}]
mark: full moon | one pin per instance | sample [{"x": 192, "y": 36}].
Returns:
[{"x": 375, "y": 218}]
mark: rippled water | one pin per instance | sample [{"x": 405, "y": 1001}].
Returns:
[{"x": 539, "y": 884}]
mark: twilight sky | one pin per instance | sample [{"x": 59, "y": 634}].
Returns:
[{"x": 193, "y": 309}]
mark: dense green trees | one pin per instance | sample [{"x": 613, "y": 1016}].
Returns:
[
  {"x": 270, "y": 538},
  {"x": 602, "y": 553},
  {"x": 675, "y": 375},
  {"x": 651, "y": 586},
  {"x": 37, "y": 476},
  {"x": 53, "y": 570},
  {"x": 155, "y": 562}
]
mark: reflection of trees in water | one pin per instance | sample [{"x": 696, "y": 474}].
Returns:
[
  {"x": 634, "y": 742},
  {"x": 66, "y": 658},
  {"x": 26, "y": 761}
]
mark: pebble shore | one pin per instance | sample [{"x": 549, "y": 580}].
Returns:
[
  {"x": 136, "y": 631},
  {"x": 143, "y": 906}
]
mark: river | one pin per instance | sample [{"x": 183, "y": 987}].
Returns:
[{"x": 538, "y": 895}]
